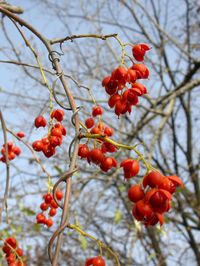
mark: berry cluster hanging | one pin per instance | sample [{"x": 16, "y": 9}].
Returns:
[
  {"x": 122, "y": 97},
  {"x": 13, "y": 151},
  {"x": 55, "y": 136},
  {"x": 49, "y": 203},
  {"x": 14, "y": 254}
]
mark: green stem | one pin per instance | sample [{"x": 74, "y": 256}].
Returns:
[
  {"x": 123, "y": 49},
  {"x": 119, "y": 145},
  {"x": 99, "y": 242}
]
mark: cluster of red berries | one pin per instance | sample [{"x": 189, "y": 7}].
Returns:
[
  {"x": 154, "y": 198},
  {"x": 97, "y": 154},
  {"x": 98, "y": 128},
  {"x": 96, "y": 261},
  {"x": 48, "y": 144},
  {"x": 14, "y": 254},
  {"x": 13, "y": 151},
  {"x": 49, "y": 203},
  {"x": 117, "y": 82}
]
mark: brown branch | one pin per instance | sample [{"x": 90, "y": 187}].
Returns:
[
  {"x": 72, "y": 37},
  {"x": 4, "y": 203},
  {"x": 11, "y": 8}
]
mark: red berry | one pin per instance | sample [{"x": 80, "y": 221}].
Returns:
[
  {"x": 135, "y": 193},
  {"x": 44, "y": 206},
  {"x": 19, "y": 252},
  {"x": 3, "y": 150},
  {"x": 12, "y": 242},
  {"x": 89, "y": 262},
  {"x": 10, "y": 258},
  {"x": 16, "y": 150},
  {"x": 105, "y": 81},
  {"x": 139, "y": 89},
  {"x": 108, "y": 147},
  {"x": 20, "y": 134},
  {"x": 54, "y": 204},
  {"x": 52, "y": 212},
  {"x": 49, "y": 222},
  {"x": 15, "y": 264},
  {"x": 59, "y": 195},
  {"x": 157, "y": 217},
  {"x": 58, "y": 114},
  {"x": 108, "y": 163},
  {"x": 56, "y": 132},
  {"x": 130, "y": 96},
  {"x": 132, "y": 75},
  {"x": 11, "y": 155},
  {"x": 153, "y": 179},
  {"x": 63, "y": 129},
  {"x": 142, "y": 71},
  {"x": 108, "y": 131},
  {"x": 99, "y": 261},
  {"x": 47, "y": 198},
  {"x": 89, "y": 122},
  {"x": 131, "y": 167},
  {"x": 6, "y": 249},
  {"x": 95, "y": 130},
  {"x": 49, "y": 153},
  {"x": 45, "y": 141},
  {"x": 37, "y": 145},
  {"x": 142, "y": 210},
  {"x": 111, "y": 87},
  {"x": 120, "y": 107},
  {"x": 170, "y": 183},
  {"x": 9, "y": 145},
  {"x": 40, "y": 121},
  {"x": 41, "y": 219},
  {"x": 83, "y": 150},
  {"x": 55, "y": 141},
  {"x": 96, "y": 156},
  {"x": 139, "y": 51},
  {"x": 97, "y": 110},
  {"x": 3, "y": 159},
  {"x": 159, "y": 199},
  {"x": 113, "y": 100},
  {"x": 176, "y": 180},
  {"x": 166, "y": 184},
  {"x": 120, "y": 74},
  {"x": 48, "y": 150}
]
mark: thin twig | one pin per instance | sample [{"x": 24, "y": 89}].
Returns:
[
  {"x": 72, "y": 37},
  {"x": 4, "y": 203}
]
